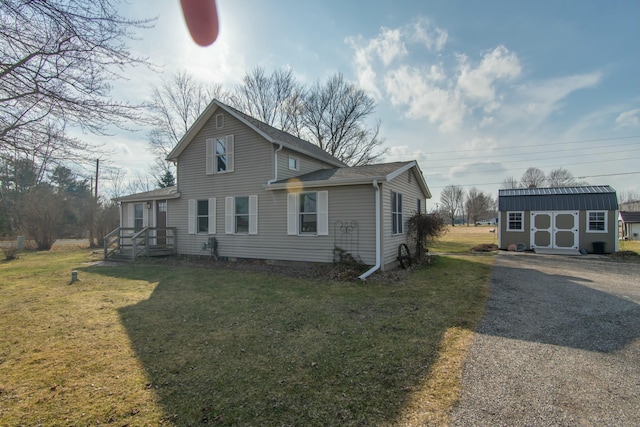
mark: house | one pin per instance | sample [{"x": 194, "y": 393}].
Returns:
[
  {"x": 559, "y": 220},
  {"x": 255, "y": 192},
  {"x": 630, "y": 222}
]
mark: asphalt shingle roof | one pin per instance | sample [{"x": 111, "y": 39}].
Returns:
[{"x": 348, "y": 173}]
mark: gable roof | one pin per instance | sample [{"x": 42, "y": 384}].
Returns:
[
  {"x": 159, "y": 194},
  {"x": 383, "y": 172},
  {"x": 268, "y": 132},
  {"x": 598, "y": 197},
  {"x": 630, "y": 217}
]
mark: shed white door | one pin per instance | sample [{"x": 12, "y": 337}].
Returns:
[{"x": 554, "y": 230}]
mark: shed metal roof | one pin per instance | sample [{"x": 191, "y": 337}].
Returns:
[
  {"x": 630, "y": 217},
  {"x": 599, "y": 197}
]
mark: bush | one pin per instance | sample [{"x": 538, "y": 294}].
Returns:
[
  {"x": 10, "y": 251},
  {"x": 423, "y": 229}
]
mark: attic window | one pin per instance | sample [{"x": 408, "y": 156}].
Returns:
[
  {"x": 294, "y": 164},
  {"x": 219, "y": 121}
]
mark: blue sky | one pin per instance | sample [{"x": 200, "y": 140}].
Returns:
[{"x": 475, "y": 91}]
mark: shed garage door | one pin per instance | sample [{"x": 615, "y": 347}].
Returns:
[{"x": 554, "y": 230}]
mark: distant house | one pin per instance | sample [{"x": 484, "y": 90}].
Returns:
[
  {"x": 565, "y": 219},
  {"x": 265, "y": 194},
  {"x": 630, "y": 223}
]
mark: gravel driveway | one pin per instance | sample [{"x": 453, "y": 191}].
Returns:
[{"x": 559, "y": 345}]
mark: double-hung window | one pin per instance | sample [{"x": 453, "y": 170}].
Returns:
[
  {"x": 396, "y": 213},
  {"x": 138, "y": 216},
  {"x": 308, "y": 213},
  {"x": 596, "y": 221},
  {"x": 201, "y": 216},
  {"x": 515, "y": 221},
  {"x": 220, "y": 155},
  {"x": 241, "y": 215}
]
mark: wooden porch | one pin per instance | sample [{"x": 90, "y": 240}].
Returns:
[{"x": 128, "y": 244}]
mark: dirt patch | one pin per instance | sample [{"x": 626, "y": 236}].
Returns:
[
  {"x": 485, "y": 247},
  {"x": 625, "y": 256}
]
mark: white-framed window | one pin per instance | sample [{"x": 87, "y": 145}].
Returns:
[
  {"x": 294, "y": 163},
  {"x": 138, "y": 216},
  {"x": 419, "y": 207},
  {"x": 220, "y": 155},
  {"x": 596, "y": 221},
  {"x": 396, "y": 213},
  {"x": 219, "y": 121},
  {"x": 515, "y": 221},
  {"x": 241, "y": 215},
  {"x": 201, "y": 216},
  {"x": 308, "y": 213}
]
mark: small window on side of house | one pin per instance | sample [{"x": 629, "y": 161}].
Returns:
[
  {"x": 202, "y": 216},
  {"x": 515, "y": 221},
  {"x": 596, "y": 221},
  {"x": 219, "y": 121},
  {"x": 294, "y": 163}
]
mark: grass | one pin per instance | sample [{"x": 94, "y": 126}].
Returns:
[
  {"x": 629, "y": 245},
  {"x": 460, "y": 239},
  {"x": 141, "y": 345}
]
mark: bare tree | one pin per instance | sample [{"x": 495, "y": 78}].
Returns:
[
  {"x": 276, "y": 99},
  {"x": 510, "y": 183},
  {"x": 452, "y": 200},
  {"x": 335, "y": 117},
  {"x": 59, "y": 58},
  {"x": 533, "y": 178},
  {"x": 479, "y": 205},
  {"x": 175, "y": 105},
  {"x": 561, "y": 178}
]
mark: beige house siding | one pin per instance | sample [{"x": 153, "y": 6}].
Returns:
[
  {"x": 507, "y": 238},
  {"x": 253, "y": 168},
  {"x": 405, "y": 184},
  {"x": 306, "y": 164}
]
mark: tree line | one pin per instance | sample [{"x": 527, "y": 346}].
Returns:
[{"x": 60, "y": 59}]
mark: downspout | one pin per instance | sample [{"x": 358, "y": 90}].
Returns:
[
  {"x": 275, "y": 174},
  {"x": 378, "y": 234}
]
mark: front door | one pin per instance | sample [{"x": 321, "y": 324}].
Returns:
[
  {"x": 554, "y": 230},
  {"x": 161, "y": 222}
]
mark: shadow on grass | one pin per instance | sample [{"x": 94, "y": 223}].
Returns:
[
  {"x": 233, "y": 348},
  {"x": 569, "y": 310}
]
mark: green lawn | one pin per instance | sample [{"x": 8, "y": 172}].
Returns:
[
  {"x": 155, "y": 344},
  {"x": 460, "y": 239}
]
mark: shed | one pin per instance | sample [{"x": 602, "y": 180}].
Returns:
[
  {"x": 559, "y": 220},
  {"x": 630, "y": 222}
]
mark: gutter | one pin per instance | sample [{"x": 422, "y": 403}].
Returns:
[
  {"x": 275, "y": 173},
  {"x": 378, "y": 234}
]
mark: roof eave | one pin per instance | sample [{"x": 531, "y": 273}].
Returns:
[{"x": 293, "y": 184}]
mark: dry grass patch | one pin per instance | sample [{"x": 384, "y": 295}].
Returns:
[
  {"x": 173, "y": 345},
  {"x": 461, "y": 239}
]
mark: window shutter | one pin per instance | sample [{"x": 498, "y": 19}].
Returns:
[
  {"x": 292, "y": 213},
  {"x": 230, "y": 151},
  {"x": 323, "y": 213},
  {"x": 253, "y": 214},
  {"x": 210, "y": 155},
  {"x": 229, "y": 209},
  {"x": 130, "y": 215},
  {"x": 212, "y": 215},
  {"x": 191, "y": 216}
]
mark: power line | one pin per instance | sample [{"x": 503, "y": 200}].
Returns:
[
  {"x": 582, "y": 141},
  {"x": 528, "y": 160}
]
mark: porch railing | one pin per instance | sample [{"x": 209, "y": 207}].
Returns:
[{"x": 132, "y": 243}]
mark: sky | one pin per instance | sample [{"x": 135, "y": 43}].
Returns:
[{"x": 474, "y": 91}]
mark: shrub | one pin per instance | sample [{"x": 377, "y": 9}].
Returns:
[{"x": 423, "y": 229}]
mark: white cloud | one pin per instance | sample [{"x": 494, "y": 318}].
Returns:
[
  {"x": 401, "y": 153},
  {"x": 479, "y": 83},
  {"x": 423, "y": 31},
  {"x": 629, "y": 118},
  {"x": 416, "y": 90}
]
